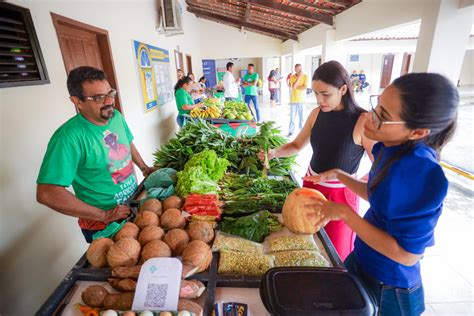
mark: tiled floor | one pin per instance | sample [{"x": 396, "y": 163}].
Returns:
[{"x": 447, "y": 270}]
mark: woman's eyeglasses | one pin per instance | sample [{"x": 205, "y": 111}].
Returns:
[{"x": 376, "y": 119}]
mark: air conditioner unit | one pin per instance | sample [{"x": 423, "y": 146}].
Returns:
[{"x": 169, "y": 17}]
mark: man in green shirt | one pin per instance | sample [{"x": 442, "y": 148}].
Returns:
[
  {"x": 250, "y": 83},
  {"x": 93, "y": 151}
]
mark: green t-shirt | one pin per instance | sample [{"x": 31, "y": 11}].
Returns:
[
  {"x": 183, "y": 98},
  {"x": 251, "y": 78},
  {"x": 95, "y": 160}
]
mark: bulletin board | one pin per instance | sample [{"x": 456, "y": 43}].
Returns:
[{"x": 154, "y": 70}]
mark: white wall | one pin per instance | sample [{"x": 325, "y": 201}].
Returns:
[
  {"x": 38, "y": 246},
  {"x": 467, "y": 72},
  {"x": 239, "y": 64}
]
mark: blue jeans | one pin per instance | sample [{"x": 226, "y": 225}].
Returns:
[
  {"x": 295, "y": 108},
  {"x": 254, "y": 99},
  {"x": 391, "y": 300},
  {"x": 88, "y": 234},
  {"x": 278, "y": 96}
]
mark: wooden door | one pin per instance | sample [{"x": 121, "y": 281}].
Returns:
[
  {"x": 405, "y": 64},
  {"x": 189, "y": 65},
  {"x": 387, "y": 66},
  {"x": 79, "y": 48},
  {"x": 85, "y": 45}
]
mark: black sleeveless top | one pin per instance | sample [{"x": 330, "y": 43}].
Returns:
[{"x": 333, "y": 143}]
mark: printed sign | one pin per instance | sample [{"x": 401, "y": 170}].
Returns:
[
  {"x": 158, "y": 285},
  {"x": 155, "y": 77}
]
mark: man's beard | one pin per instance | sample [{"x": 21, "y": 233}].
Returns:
[{"x": 107, "y": 111}]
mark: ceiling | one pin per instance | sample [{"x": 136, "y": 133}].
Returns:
[{"x": 276, "y": 18}]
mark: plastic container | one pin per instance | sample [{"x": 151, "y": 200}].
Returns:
[{"x": 314, "y": 291}]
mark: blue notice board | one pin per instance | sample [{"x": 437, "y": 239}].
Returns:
[{"x": 209, "y": 72}]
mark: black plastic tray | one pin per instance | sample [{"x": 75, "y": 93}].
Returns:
[{"x": 326, "y": 291}]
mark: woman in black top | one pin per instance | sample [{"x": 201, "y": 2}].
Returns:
[{"x": 335, "y": 130}]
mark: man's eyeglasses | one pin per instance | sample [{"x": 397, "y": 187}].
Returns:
[
  {"x": 376, "y": 119},
  {"x": 100, "y": 98}
]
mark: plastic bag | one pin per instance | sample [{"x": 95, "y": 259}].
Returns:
[
  {"x": 161, "y": 178},
  {"x": 229, "y": 242},
  {"x": 160, "y": 193},
  {"x": 300, "y": 258},
  {"x": 247, "y": 263},
  {"x": 294, "y": 242}
]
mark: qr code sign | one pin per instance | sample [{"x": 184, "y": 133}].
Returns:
[{"x": 156, "y": 295}]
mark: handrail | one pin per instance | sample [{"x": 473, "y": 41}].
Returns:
[{"x": 457, "y": 170}]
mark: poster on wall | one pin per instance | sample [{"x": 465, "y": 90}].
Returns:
[
  {"x": 155, "y": 76},
  {"x": 209, "y": 72}
]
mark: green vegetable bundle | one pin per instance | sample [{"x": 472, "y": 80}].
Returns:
[
  {"x": 245, "y": 194},
  {"x": 254, "y": 227},
  {"x": 201, "y": 173},
  {"x": 240, "y": 152}
]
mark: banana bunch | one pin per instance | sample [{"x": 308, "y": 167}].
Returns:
[{"x": 206, "y": 112}]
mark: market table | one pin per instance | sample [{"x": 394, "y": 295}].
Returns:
[{"x": 60, "y": 302}]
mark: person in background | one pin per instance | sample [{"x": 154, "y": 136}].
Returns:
[
  {"x": 260, "y": 86},
  {"x": 249, "y": 82},
  {"x": 288, "y": 82},
  {"x": 230, "y": 84},
  {"x": 180, "y": 74},
  {"x": 362, "y": 81},
  {"x": 335, "y": 131},
  {"x": 197, "y": 92},
  {"x": 355, "y": 80},
  {"x": 278, "y": 78},
  {"x": 414, "y": 119},
  {"x": 354, "y": 75},
  {"x": 202, "y": 82},
  {"x": 298, "y": 82},
  {"x": 272, "y": 87},
  {"x": 184, "y": 101},
  {"x": 94, "y": 152}
]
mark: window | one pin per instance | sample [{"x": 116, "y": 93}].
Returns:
[
  {"x": 354, "y": 58},
  {"x": 21, "y": 61}
]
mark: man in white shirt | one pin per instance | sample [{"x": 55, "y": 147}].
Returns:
[{"x": 230, "y": 86}]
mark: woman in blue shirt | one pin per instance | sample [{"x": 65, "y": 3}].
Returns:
[{"x": 415, "y": 117}]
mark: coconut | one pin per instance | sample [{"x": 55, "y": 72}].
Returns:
[
  {"x": 124, "y": 253},
  {"x": 172, "y": 218},
  {"x": 177, "y": 239},
  {"x": 153, "y": 205},
  {"x": 94, "y": 296},
  {"x": 147, "y": 218},
  {"x": 150, "y": 233},
  {"x": 201, "y": 230},
  {"x": 298, "y": 214},
  {"x": 197, "y": 254},
  {"x": 129, "y": 230},
  {"x": 97, "y": 252},
  {"x": 173, "y": 202},
  {"x": 155, "y": 248}
]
